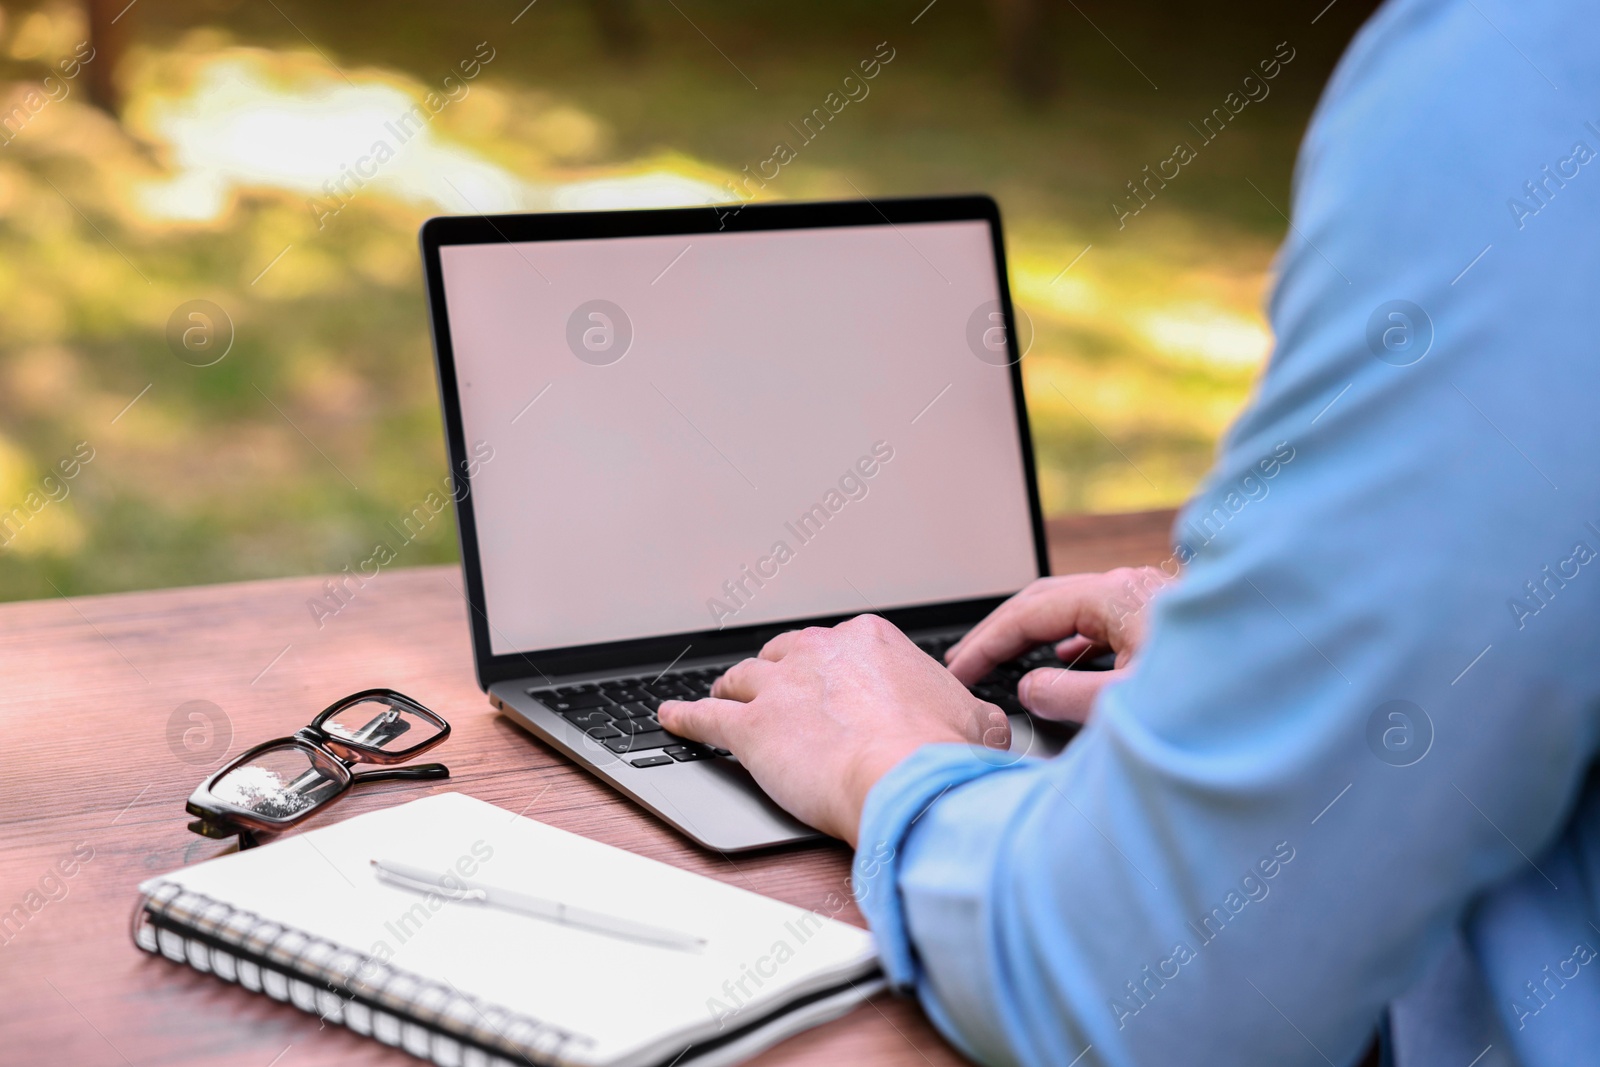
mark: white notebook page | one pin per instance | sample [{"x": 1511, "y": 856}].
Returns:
[{"x": 633, "y": 1000}]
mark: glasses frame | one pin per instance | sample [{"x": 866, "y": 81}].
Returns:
[{"x": 330, "y": 755}]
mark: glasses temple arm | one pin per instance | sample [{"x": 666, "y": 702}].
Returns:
[{"x": 422, "y": 772}]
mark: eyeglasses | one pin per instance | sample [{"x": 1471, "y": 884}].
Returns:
[{"x": 275, "y": 785}]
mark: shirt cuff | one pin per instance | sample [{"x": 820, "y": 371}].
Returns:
[{"x": 893, "y": 807}]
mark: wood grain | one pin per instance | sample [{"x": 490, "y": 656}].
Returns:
[{"x": 95, "y": 759}]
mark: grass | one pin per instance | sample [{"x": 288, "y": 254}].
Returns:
[{"x": 320, "y": 424}]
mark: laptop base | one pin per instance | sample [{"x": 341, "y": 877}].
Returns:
[{"x": 715, "y": 802}]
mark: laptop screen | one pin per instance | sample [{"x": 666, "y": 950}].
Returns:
[{"x": 674, "y": 434}]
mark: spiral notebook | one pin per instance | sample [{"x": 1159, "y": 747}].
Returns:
[{"x": 309, "y": 920}]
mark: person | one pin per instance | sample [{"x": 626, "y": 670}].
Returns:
[{"x": 1344, "y": 779}]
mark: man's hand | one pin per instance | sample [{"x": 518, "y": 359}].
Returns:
[
  {"x": 1082, "y": 613},
  {"x": 821, "y": 714}
]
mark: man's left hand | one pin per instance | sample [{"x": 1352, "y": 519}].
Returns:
[{"x": 821, "y": 714}]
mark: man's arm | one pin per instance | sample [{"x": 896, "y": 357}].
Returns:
[{"x": 1341, "y": 731}]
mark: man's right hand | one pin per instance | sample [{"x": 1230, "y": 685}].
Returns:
[{"x": 1083, "y": 614}]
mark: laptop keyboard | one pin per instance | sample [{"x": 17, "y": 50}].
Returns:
[{"x": 621, "y": 713}]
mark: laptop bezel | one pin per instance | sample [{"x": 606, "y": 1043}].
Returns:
[{"x": 565, "y": 226}]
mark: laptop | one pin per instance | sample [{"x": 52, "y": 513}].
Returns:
[{"x": 675, "y": 434}]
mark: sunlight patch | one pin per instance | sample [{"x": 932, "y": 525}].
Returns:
[
  {"x": 332, "y": 141},
  {"x": 655, "y": 189},
  {"x": 237, "y": 129},
  {"x": 1206, "y": 334}
]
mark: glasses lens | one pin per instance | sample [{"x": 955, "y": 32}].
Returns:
[
  {"x": 377, "y": 725},
  {"x": 281, "y": 783}
]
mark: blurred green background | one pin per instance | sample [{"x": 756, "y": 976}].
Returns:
[{"x": 181, "y": 163}]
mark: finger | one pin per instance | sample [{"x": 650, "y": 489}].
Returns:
[
  {"x": 743, "y": 680},
  {"x": 711, "y": 721},
  {"x": 1016, "y": 626},
  {"x": 1064, "y": 695},
  {"x": 955, "y": 650},
  {"x": 1055, "y": 586},
  {"x": 1074, "y": 648},
  {"x": 781, "y": 645}
]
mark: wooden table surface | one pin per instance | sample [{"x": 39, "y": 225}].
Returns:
[{"x": 96, "y": 766}]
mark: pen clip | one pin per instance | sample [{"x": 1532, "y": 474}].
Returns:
[{"x": 420, "y": 886}]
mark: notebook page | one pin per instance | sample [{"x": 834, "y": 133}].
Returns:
[{"x": 635, "y": 1001}]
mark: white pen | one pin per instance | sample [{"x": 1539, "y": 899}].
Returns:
[{"x": 420, "y": 881}]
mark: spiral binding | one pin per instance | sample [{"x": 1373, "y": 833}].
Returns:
[{"x": 339, "y": 985}]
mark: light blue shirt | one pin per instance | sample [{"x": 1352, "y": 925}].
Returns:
[{"x": 1353, "y": 777}]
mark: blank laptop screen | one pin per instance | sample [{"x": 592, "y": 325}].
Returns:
[{"x": 684, "y": 433}]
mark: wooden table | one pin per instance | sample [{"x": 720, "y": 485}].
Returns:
[{"x": 95, "y": 764}]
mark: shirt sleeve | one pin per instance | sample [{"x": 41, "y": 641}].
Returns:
[{"x": 1371, "y": 697}]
